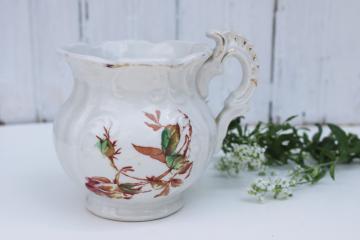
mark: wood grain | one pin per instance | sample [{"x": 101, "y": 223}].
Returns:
[
  {"x": 252, "y": 19},
  {"x": 54, "y": 24},
  {"x": 129, "y": 19},
  {"x": 17, "y": 103},
  {"x": 308, "y": 51},
  {"x": 317, "y": 72}
]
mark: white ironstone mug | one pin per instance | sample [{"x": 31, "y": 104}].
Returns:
[{"x": 136, "y": 131}]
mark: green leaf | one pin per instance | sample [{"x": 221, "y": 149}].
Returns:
[
  {"x": 332, "y": 171},
  {"x": 316, "y": 174},
  {"x": 316, "y": 137},
  {"x": 175, "y": 161},
  {"x": 165, "y": 138},
  {"x": 342, "y": 140},
  {"x": 98, "y": 145},
  {"x": 234, "y": 123},
  {"x": 285, "y": 143},
  {"x": 290, "y": 118},
  {"x": 170, "y": 138},
  {"x": 104, "y": 146},
  {"x": 256, "y": 129},
  {"x": 339, "y": 134}
]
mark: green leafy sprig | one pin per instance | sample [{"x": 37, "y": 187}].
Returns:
[{"x": 284, "y": 144}]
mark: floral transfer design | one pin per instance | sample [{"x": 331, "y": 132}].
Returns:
[
  {"x": 173, "y": 153},
  {"x": 108, "y": 148}
]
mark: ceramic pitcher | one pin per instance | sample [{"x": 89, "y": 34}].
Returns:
[{"x": 136, "y": 131}]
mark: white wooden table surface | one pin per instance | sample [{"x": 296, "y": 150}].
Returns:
[{"x": 39, "y": 201}]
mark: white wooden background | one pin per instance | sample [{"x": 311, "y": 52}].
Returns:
[{"x": 309, "y": 50}]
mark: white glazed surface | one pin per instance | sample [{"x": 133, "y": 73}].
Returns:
[
  {"x": 115, "y": 85},
  {"x": 91, "y": 108}
]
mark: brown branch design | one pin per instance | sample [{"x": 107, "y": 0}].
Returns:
[{"x": 173, "y": 154}]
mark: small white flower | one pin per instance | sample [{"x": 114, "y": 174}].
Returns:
[
  {"x": 279, "y": 188},
  {"x": 244, "y": 157}
]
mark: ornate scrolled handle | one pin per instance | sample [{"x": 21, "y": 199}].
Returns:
[{"x": 230, "y": 44}]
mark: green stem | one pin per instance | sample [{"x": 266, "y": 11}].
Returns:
[{"x": 317, "y": 165}]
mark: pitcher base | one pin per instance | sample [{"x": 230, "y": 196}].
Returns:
[{"x": 123, "y": 210}]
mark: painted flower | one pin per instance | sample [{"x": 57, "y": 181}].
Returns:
[
  {"x": 164, "y": 186},
  {"x": 105, "y": 187},
  {"x": 108, "y": 147},
  {"x": 171, "y": 153}
]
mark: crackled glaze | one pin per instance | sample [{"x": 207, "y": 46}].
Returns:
[{"x": 136, "y": 131}]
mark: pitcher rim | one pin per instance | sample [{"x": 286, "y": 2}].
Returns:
[{"x": 72, "y": 51}]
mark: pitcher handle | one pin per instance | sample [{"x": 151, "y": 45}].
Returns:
[{"x": 230, "y": 44}]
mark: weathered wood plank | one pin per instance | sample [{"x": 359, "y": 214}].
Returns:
[
  {"x": 16, "y": 85},
  {"x": 316, "y": 64},
  {"x": 129, "y": 19},
  {"x": 54, "y": 24},
  {"x": 253, "y": 19}
]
